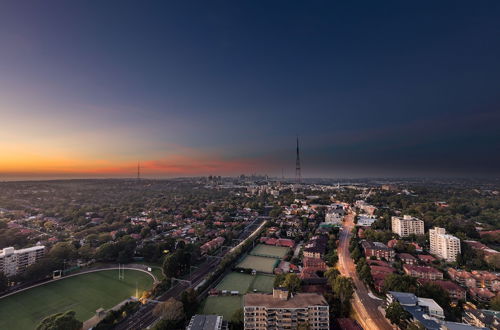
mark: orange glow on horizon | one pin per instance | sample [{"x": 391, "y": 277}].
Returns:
[{"x": 172, "y": 165}]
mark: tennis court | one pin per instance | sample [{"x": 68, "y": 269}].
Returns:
[
  {"x": 263, "y": 283},
  {"x": 269, "y": 251},
  {"x": 236, "y": 282},
  {"x": 260, "y": 264},
  {"x": 222, "y": 305}
]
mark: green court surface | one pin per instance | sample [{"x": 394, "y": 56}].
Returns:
[
  {"x": 82, "y": 294},
  {"x": 260, "y": 264},
  {"x": 222, "y": 305},
  {"x": 269, "y": 251},
  {"x": 244, "y": 283},
  {"x": 263, "y": 283},
  {"x": 236, "y": 282}
]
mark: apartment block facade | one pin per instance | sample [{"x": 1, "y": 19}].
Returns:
[
  {"x": 407, "y": 225},
  {"x": 378, "y": 250},
  {"x": 283, "y": 310},
  {"x": 13, "y": 262},
  {"x": 443, "y": 245}
]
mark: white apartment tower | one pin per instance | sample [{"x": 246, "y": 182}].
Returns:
[
  {"x": 443, "y": 245},
  {"x": 407, "y": 225},
  {"x": 13, "y": 261}
]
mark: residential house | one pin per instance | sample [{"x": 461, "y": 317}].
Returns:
[
  {"x": 425, "y": 272},
  {"x": 378, "y": 250}
]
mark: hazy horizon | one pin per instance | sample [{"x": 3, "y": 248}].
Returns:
[{"x": 88, "y": 89}]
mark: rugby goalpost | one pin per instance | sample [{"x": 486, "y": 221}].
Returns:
[{"x": 121, "y": 272}]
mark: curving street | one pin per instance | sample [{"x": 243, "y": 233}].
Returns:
[{"x": 366, "y": 308}]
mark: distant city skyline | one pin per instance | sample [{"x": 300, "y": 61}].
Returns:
[{"x": 88, "y": 89}]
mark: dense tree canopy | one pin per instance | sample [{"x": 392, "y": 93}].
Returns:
[{"x": 60, "y": 321}]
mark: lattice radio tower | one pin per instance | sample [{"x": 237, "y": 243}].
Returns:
[{"x": 298, "y": 176}]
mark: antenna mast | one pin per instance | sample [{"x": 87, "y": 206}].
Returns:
[{"x": 298, "y": 176}]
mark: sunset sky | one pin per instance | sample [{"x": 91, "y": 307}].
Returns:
[{"x": 88, "y": 88}]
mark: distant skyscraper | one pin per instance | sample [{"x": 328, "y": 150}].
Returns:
[
  {"x": 138, "y": 171},
  {"x": 298, "y": 176}
]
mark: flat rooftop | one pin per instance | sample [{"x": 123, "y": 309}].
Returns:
[
  {"x": 299, "y": 300},
  {"x": 205, "y": 322}
]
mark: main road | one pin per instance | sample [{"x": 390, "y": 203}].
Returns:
[{"x": 366, "y": 308}]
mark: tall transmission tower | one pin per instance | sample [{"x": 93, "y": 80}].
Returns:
[
  {"x": 138, "y": 171},
  {"x": 298, "y": 176}
]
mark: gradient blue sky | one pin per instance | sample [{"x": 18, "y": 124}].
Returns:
[{"x": 222, "y": 87}]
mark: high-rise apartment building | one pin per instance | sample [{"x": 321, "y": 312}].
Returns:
[
  {"x": 443, "y": 245},
  {"x": 283, "y": 310},
  {"x": 407, "y": 225},
  {"x": 13, "y": 261}
]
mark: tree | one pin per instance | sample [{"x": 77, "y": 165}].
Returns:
[
  {"x": 63, "y": 250},
  {"x": 3, "y": 282},
  {"x": 400, "y": 283},
  {"x": 275, "y": 212},
  {"x": 331, "y": 273},
  {"x": 356, "y": 253},
  {"x": 189, "y": 302},
  {"x": 107, "y": 252},
  {"x": 278, "y": 280},
  {"x": 396, "y": 314},
  {"x": 237, "y": 319},
  {"x": 42, "y": 268},
  {"x": 343, "y": 290},
  {"x": 60, "y": 321},
  {"x": 170, "y": 265},
  {"x": 170, "y": 310},
  {"x": 441, "y": 297},
  {"x": 168, "y": 325},
  {"x": 495, "y": 303},
  {"x": 415, "y": 326},
  {"x": 494, "y": 261},
  {"x": 365, "y": 274},
  {"x": 179, "y": 262},
  {"x": 291, "y": 282},
  {"x": 86, "y": 252}
]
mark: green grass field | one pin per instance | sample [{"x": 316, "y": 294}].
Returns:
[
  {"x": 223, "y": 305},
  {"x": 155, "y": 268},
  {"x": 83, "y": 294},
  {"x": 260, "y": 264},
  {"x": 269, "y": 251}
]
